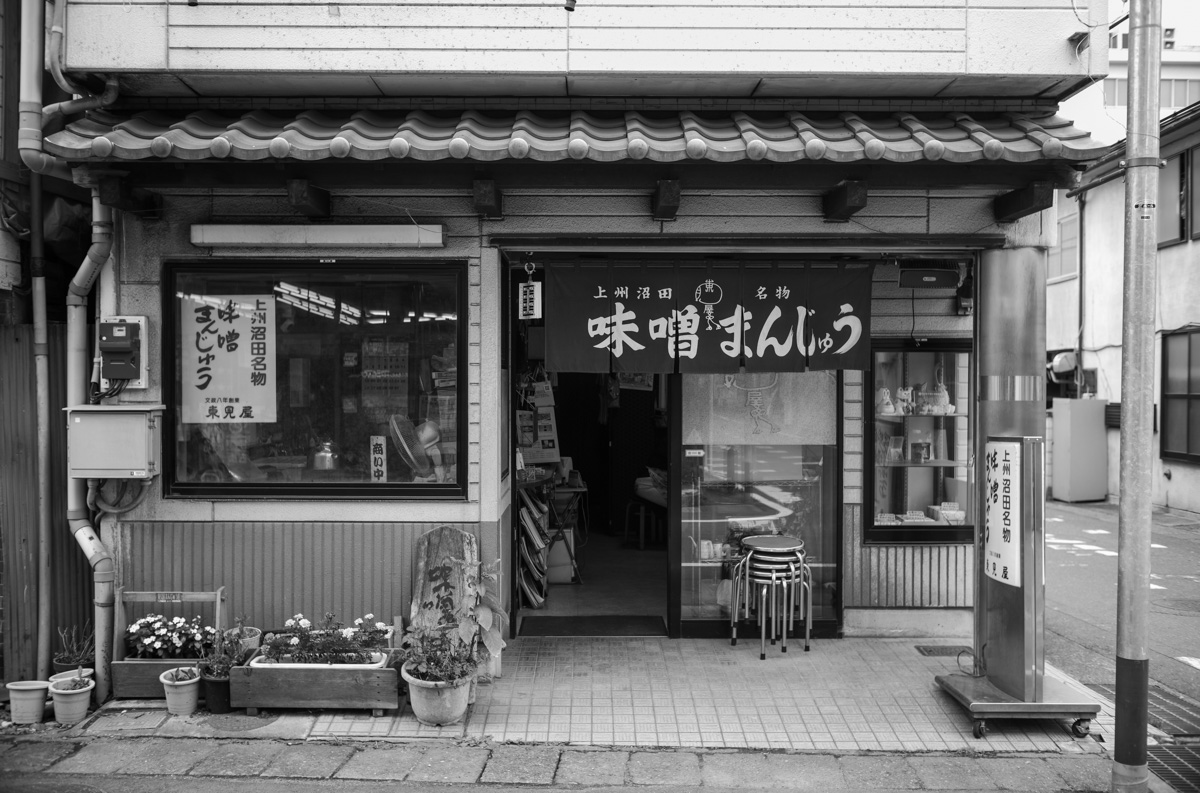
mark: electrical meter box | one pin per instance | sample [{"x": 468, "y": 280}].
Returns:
[
  {"x": 114, "y": 441},
  {"x": 122, "y": 345}
]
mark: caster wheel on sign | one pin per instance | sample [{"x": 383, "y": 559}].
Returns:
[
  {"x": 980, "y": 730},
  {"x": 1081, "y": 728}
]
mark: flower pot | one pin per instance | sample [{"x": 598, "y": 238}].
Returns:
[
  {"x": 182, "y": 698},
  {"x": 435, "y": 702},
  {"x": 86, "y": 672},
  {"x": 66, "y": 666},
  {"x": 70, "y": 707},
  {"x": 216, "y": 694},
  {"x": 27, "y": 700},
  {"x": 251, "y": 637}
]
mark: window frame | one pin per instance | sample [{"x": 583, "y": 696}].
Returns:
[
  {"x": 1181, "y": 161},
  {"x": 307, "y": 491},
  {"x": 874, "y": 534},
  {"x": 1192, "y": 395},
  {"x": 1192, "y": 174}
]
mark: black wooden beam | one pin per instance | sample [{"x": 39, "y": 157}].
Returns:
[
  {"x": 1033, "y": 197},
  {"x": 119, "y": 194},
  {"x": 844, "y": 200},
  {"x": 665, "y": 203},
  {"x": 489, "y": 200},
  {"x": 310, "y": 200}
]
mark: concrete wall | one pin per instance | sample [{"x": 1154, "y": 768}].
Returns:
[{"x": 972, "y": 48}]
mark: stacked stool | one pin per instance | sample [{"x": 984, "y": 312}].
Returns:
[{"x": 774, "y": 571}]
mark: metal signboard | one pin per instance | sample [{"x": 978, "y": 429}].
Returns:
[{"x": 1002, "y": 512}]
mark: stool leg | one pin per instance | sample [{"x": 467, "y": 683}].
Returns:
[
  {"x": 734, "y": 591},
  {"x": 641, "y": 528},
  {"x": 762, "y": 625},
  {"x": 783, "y": 618}
]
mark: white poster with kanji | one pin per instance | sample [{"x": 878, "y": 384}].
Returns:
[
  {"x": 1002, "y": 512},
  {"x": 227, "y": 371}
]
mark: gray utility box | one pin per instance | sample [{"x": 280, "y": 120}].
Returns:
[
  {"x": 1080, "y": 453},
  {"x": 114, "y": 441}
]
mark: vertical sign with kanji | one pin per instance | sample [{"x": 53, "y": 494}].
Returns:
[
  {"x": 530, "y": 300},
  {"x": 228, "y": 366},
  {"x": 378, "y": 458},
  {"x": 1002, "y": 531}
]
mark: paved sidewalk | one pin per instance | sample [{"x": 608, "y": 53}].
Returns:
[{"x": 62, "y": 764}]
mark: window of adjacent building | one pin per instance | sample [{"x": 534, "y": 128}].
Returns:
[
  {"x": 1180, "y": 433},
  {"x": 1064, "y": 258},
  {"x": 1170, "y": 201},
  {"x": 296, "y": 380},
  {"x": 1193, "y": 168},
  {"x": 1171, "y": 93}
]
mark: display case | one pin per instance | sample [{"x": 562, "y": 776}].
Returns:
[
  {"x": 922, "y": 450},
  {"x": 759, "y": 456}
]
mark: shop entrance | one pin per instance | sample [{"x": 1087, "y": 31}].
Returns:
[{"x": 647, "y": 487}]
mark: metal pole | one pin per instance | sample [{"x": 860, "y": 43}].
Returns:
[{"x": 1129, "y": 771}]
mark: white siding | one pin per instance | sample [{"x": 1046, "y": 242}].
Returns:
[{"x": 626, "y": 40}]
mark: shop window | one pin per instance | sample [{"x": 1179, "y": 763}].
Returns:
[
  {"x": 921, "y": 446},
  {"x": 1180, "y": 436},
  {"x": 1170, "y": 201},
  {"x": 296, "y": 381}
]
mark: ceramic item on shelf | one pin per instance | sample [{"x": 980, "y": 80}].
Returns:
[
  {"x": 883, "y": 403},
  {"x": 904, "y": 401}
]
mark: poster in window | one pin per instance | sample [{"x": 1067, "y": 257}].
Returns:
[
  {"x": 1002, "y": 512},
  {"x": 228, "y": 367}
]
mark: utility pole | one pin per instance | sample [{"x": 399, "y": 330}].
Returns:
[{"x": 1129, "y": 771}]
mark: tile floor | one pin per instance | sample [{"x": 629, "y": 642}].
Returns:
[{"x": 844, "y": 695}]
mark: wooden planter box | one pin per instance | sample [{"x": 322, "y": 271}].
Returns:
[
  {"x": 314, "y": 686},
  {"x": 137, "y": 678}
]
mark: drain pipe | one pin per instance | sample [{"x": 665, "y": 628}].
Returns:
[
  {"x": 29, "y": 141},
  {"x": 78, "y": 518},
  {"x": 41, "y": 363}
]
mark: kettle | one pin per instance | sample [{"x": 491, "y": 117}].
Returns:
[{"x": 324, "y": 457}]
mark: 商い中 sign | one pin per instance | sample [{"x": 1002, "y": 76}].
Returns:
[
  {"x": 1002, "y": 512},
  {"x": 228, "y": 359}
]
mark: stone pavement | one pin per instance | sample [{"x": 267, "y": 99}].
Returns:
[{"x": 64, "y": 762}]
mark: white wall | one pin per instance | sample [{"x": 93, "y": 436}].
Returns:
[{"x": 605, "y": 46}]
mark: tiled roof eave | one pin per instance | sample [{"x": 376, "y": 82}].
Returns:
[{"x": 421, "y": 136}]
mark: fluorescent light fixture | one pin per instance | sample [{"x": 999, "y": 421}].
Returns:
[{"x": 243, "y": 235}]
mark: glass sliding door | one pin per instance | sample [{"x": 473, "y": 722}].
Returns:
[{"x": 759, "y": 456}]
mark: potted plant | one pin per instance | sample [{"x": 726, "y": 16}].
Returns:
[
  {"x": 454, "y": 633},
  {"x": 249, "y": 637},
  {"x": 72, "y": 695},
  {"x": 78, "y": 648},
  {"x": 153, "y": 645},
  {"x": 181, "y": 686},
  {"x": 321, "y": 664},
  {"x": 27, "y": 700},
  {"x": 215, "y": 667}
]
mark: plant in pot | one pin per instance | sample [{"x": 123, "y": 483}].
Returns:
[
  {"x": 328, "y": 642},
  {"x": 453, "y": 634},
  {"x": 249, "y": 637},
  {"x": 182, "y": 688},
  {"x": 215, "y": 666},
  {"x": 78, "y": 648},
  {"x": 72, "y": 696}
]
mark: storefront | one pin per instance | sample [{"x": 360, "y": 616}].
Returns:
[{"x": 335, "y": 331}]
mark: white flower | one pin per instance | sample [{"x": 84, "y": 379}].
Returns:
[
  {"x": 381, "y": 626},
  {"x": 295, "y": 640},
  {"x": 148, "y": 640},
  {"x": 358, "y": 621},
  {"x": 198, "y": 637},
  {"x": 348, "y": 633},
  {"x": 368, "y": 616},
  {"x": 305, "y": 624},
  {"x": 289, "y": 624},
  {"x": 158, "y": 645}
]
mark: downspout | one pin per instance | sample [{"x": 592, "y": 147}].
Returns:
[
  {"x": 78, "y": 376},
  {"x": 37, "y": 267},
  {"x": 29, "y": 141},
  {"x": 1082, "y": 237}
]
